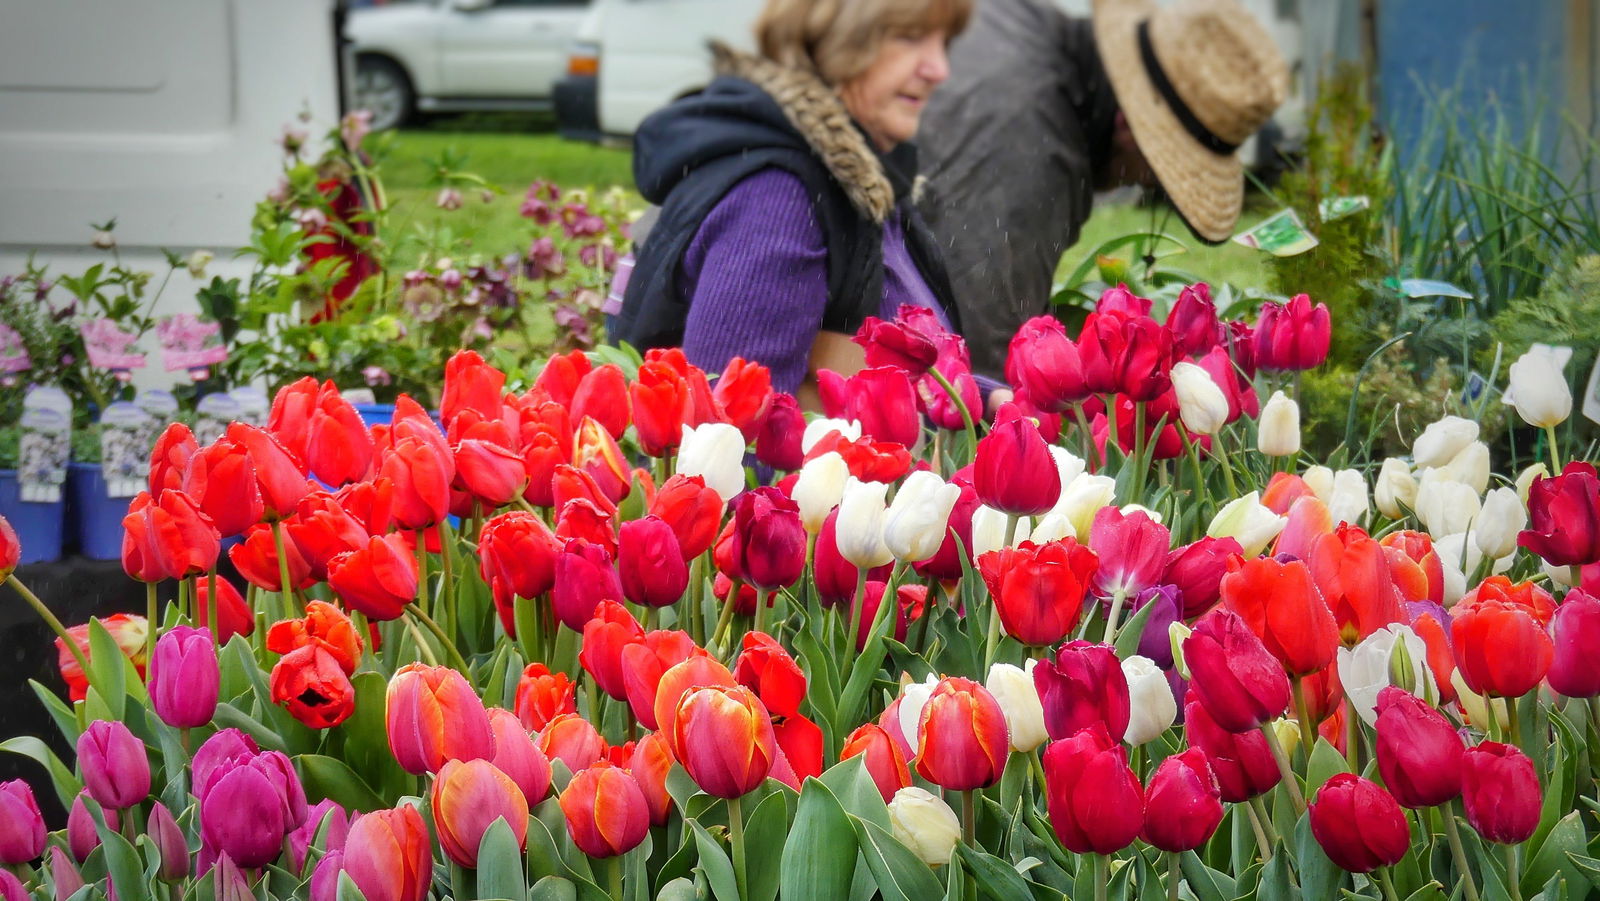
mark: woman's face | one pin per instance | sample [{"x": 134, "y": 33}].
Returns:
[{"x": 888, "y": 98}]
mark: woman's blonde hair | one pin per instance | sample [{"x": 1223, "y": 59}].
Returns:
[{"x": 838, "y": 39}]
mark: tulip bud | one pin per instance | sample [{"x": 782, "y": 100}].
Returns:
[
  {"x": 724, "y": 739},
  {"x": 925, "y": 824},
  {"x": 434, "y": 716},
  {"x": 1419, "y": 751},
  {"x": 1152, "y": 708},
  {"x": 989, "y": 531},
  {"x": 1014, "y": 689},
  {"x": 1082, "y": 499},
  {"x": 820, "y": 488},
  {"x": 1014, "y": 471},
  {"x": 859, "y": 530},
  {"x": 1095, "y": 802},
  {"x": 1395, "y": 486},
  {"x": 650, "y": 562},
  {"x": 10, "y": 549},
  {"x": 468, "y": 797},
  {"x": 1538, "y": 388},
  {"x": 82, "y": 836},
  {"x": 1442, "y": 440},
  {"x": 1235, "y": 677},
  {"x": 1358, "y": 824},
  {"x": 21, "y": 824},
  {"x": 605, "y": 810},
  {"x": 184, "y": 677},
  {"x": 915, "y": 523},
  {"x": 1575, "y": 631},
  {"x": 1245, "y": 520},
  {"x": 885, "y": 763},
  {"x": 769, "y": 542},
  {"x": 1201, "y": 404},
  {"x": 1365, "y": 670},
  {"x": 169, "y": 841},
  {"x": 11, "y": 888},
  {"x": 388, "y": 855},
  {"x": 1500, "y": 793},
  {"x": 1278, "y": 428},
  {"x": 1502, "y": 518},
  {"x": 1182, "y": 805},
  {"x": 715, "y": 452},
  {"x": 116, "y": 770},
  {"x": 1177, "y": 634},
  {"x": 962, "y": 741},
  {"x": 1445, "y": 506}
]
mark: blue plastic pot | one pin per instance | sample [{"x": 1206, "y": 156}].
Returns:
[
  {"x": 375, "y": 414},
  {"x": 38, "y": 526},
  {"x": 96, "y": 519}
]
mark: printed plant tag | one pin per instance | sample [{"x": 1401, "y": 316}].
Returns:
[
  {"x": 1332, "y": 209},
  {"x": 1282, "y": 235},
  {"x": 13, "y": 354},
  {"x": 110, "y": 347},
  {"x": 359, "y": 395},
  {"x": 125, "y": 441},
  {"x": 1424, "y": 287},
  {"x": 188, "y": 343},
  {"x": 46, "y": 445},
  {"x": 212, "y": 415}
]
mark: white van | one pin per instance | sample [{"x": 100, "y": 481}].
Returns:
[{"x": 634, "y": 56}]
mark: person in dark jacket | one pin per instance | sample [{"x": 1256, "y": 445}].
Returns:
[
  {"x": 1044, "y": 109},
  {"x": 785, "y": 192}
]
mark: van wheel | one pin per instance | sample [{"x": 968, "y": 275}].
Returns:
[{"x": 383, "y": 88}]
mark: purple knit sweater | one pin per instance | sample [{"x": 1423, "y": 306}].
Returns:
[{"x": 756, "y": 278}]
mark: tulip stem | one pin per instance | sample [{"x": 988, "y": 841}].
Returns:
[
  {"x": 736, "y": 835},
  {"x": 423, "y": 647},
  {"x": 1555, "y": 456},
  {"x": 857, "y": 601},
  {"x": 211, "y": 606},
  {"x": 285, "y": 589},
  {"x": 61, "y": 631},
  {"x": 1091, "y": 451},
  {"x": 614, "y": 871},
  {"x": 150, "y": 626},
  {"x": 1118, "y": 598},
  {"x": 1385, "y": 883},
  {"x": 456, "y": 659},
  {"x": 447, "y": 597},
  {"x": 1261, "y": 821},
  {"x": 1174, "y": 876},
  {"x": 763, "y": 598},
  {"x": 1218, "y": 445},
  {"x": 422, "y": 568},
  {"x": 1302, "y": 712},
  {"x": 1289, "y": 781},
  {"x": 969, "y": 819},
  {"x": 1452, "y": 832},
  {"x": 1513, "y": 872},
  {"x": 992, "y": 646},
  {"x": 1102, "y": 874},
  {"x": 725, "y": 620},
  {"x": 961, "y": 405}
]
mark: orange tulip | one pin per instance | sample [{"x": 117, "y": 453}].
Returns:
[
  {"x": 542, "y": 696},
  {"x": 389, "y": 856},
  {"x": 310, "y": 683},
  {"x": 1283, "y": 489},
  {"x": 650, "y": 763},
  {"x": 324, "y": 626},
  {"x": 1525, "y": 596},
  {"x": 468, "y": 796},
  {"x": 678, "y": 681},
  {"x": 572, "y": 740},
  {"x": 962, "y": 738},
  {"x": 606, "y": 811},
  {"x": 1414, "y": 566},
  {"x": 1501, "y": 648},
  {"x": 1353, "y": 574},
  {"x": 1308, "y": 520},
  {"x": 884, "y": 761},
  {"x": 435, "y": 716},
  {"x": 1282, "y": 606},
  {"x": 723, "y": 736}
]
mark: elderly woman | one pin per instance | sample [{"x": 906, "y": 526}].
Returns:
[{"x": 784, "y": 189}]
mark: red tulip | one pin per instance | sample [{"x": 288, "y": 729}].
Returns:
[
  {"x": 312, "y": 685},
  {"x": 1096, "y": 804},
  {"x": 322, "y": 530},
  {"x": 389, "y": 855},
  {"x": 1183, "y": 804},
  {"x": 517, "y": 558},
  {"x": 221, "y": 478},
  {"x": 584, "y": 576},
  {"x": 561, "y": 375},
  {"x": 1358, "y": 824},
  {"x": 778, "y": 444},
  {"x": 1193, "y": 321},
  {"x": 585, "y": 519},
  {"x": 468, "y": 797},
  {"x": 885, "y": 761},
  {"x": 1419, "y": 751},
  {"x": 1500, "y": 792},
  {"x": 434, "y": 716},
  {"x": 290, "y": 418},
  {"x": 766, "y": 668},
  {"x": 490, "y": 472},
  {"x": 769, "y": 541},
  {"x": 338, "y": 446},
  {"x": 1352, "y": 571},
  {"x": 650, "y": 562},
  {"x": 280, "y": 474},
  {"x": 1132, "y": 550},
  {"x": 596, "y": 453},
  {"x": 603, "y": 394},
  {"x": 659, "y": 396},
  {"x": 421, "y": 477},
  {"x": 256, "y": 558},
  {"x": 1575, "y": 633},
  {"x": 1282, "y": 606},
  {"x": 1197, "y": 570},
  {"x": 1044, "y": 362},
  {"x": 1038, "y": 590},
  {"x": 898, "y": 344},
  {"x": 1014, "y": 471},
  {"x": 169, "y": 459},
  {"x": 651, "y": 763},
  {"x": 800, "y": 744},
  {"x": 1234, "y": 675},
  {"x": 604, "y": 636},
  {"x": 1243, "y": 763},
  {"x": 379, "y": 580},
  {"x": 1500, "y": 648},
  {"x": 471, "y": 384},
  {"x": 1292, "y": 336},
  {"x": 693, "y": 510},
  {"x": 10, "y": 549},
  {"x": 962, "y": 738},
  {"x": 324, "y": 626},
  {"x": 644, "y": 664},
  {"x": 743, "y": 396},
  {"x": 572, "y": 740},
  {"x": 1083, "y": 686},
  {"x": 542, "y": 696},
  {"x": 883, "y": 400},
  {"x": 606, "y": 811},
  {"x": 723, "y": 737},
  {"x": 696, "y": 670},
  {"x": 1430, "y": 622},
  {"x": 1236, "y": 387},
  {"x": 910, "y": 602},
  {"x": 128, "y": 631},
  {"x": 543, "y": 450}
]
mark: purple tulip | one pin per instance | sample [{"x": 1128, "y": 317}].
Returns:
[
  {"x": 248, "y": 806},
  {"x": 11, "y": 888},
  {"x": 228, "y": 884},
  {"x": 116, "y": 770},
  {"x": 66, "y": 877},
  {"x": 301, "y": 838},
  {"x": 184, "y": 677},
  {"x": 21, "y": 825},
  {"x": 82, "y": 837},
  {"x": 1154, "y": 642},
  {"x": 325, "y": 879},
  {"x": 225, "y": 745},
  {"x": 170, "y": 841}
]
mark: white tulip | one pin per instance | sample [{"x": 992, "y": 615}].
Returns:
[
  {"x": 1442, "y": 440},
  {"x": 1445, "y": 506},
  {"x": 919, "y": 516},
  {"x": 1130, "y": 509},
  {"x": 1560, "y": 575},
  {"x": 1013, "y": 687},
  {"x": 1278, "y": 427},
  {"x": 1247, "y": 521},
  {"x": 1365, "y": 670},
  {"x": 819, "y": 489},
  {"x": 1202, "y": 406},
  {"x": 1348, "y": 502},
  {"x": 989, "y": 530},
  {"x": 1052, "y": 527},
  {"x": 1319, "y": 479},
  {"x": 818, "y": 429},
  {"x": 1068, "y": 465},
  {"x": 1152, "y": 707},
  {"x": 1395, "y": 486},
  {"x": 1538, "y": 388},
  {"x": 715, "y": 452},
  {"x": 1083, "y": 498},
  {"x": 912, "y": 699},
  {"x": 1470, "y": 466},
  {"x": 858, "y": 531},
  {"x": 1477, "y": 707},
  {"x": 925, "y": 824},
  {"x": 1502, "y": 518},
  {"x": 1527, "y": 477}
]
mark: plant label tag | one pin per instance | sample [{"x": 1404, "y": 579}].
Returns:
[
  {"x": 212, "y": 415},
  {"x": 188, "y": 343},
  {"x": 1281, "y": 234},
  {"x": 1591, "y": 394},
  {"x": 1473, "y": 390},
  {"x": 1332, "y": 209},
  {"x": 359, "y": 395},
  {"x": 109, "y": 347},
  {"x": 125, "y": 442},
  {"x": 46, "y": 445}
]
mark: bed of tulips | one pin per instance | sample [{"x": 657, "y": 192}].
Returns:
[{"x": 626, "y": 634}]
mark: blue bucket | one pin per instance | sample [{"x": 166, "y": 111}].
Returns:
[
  {"x": 375, "y": 414},
  {"x": 38, "y": 526},
  {"x": 96, "y": 518}
]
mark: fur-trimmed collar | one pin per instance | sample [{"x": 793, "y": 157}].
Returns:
[{"x": 817, "y": 113}]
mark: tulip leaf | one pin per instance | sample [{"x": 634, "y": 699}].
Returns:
[
  {"x": 106, "y": 671},
  {"x": 1132, "y": 631},
  {"x": 67, "y": 785},
  {"x": 1588, "y": 866},
  {"x": 1567, "y": 838},
  {"x": 679, "y": 889},
  {"x": 763, "y": 842},
  {"x": 500, "y": 864},
  {"x": 1325, "y": 763},
  {"x": 997, "y": 880},
  {"x": 819, "y": 859},
  {"x": 65, "y": 719},
  {"x": 366, "y": 739},
  {"x": 956, "y": 881},
  {"x": 1274, "y": 884},
  {"x": 1203, "y": 880},
  {"x": 851, "y": 786},
  {"x": 553, "y": 888},
  {"x": 901, "y": 875},
  {"x": 348, "y": 890},
  {"x": 715, "y": 864},
  {"x": 329, "y": 777},
  {"x": 1318, "y": 875},
  {"x": 122, "y": 862},
  {"x": 230, "y": 716},
  {"x": 544, "y": 856}
]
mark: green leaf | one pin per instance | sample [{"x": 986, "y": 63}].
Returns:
[
  {"x": 328, "y": 777},
  {"x": 1588, "y": 866},
  {"x": 500, "y": 864},
  {"x": 122, "y": 862},
  {"x": 1326, "y": 762},
  {"x": 544, "y": 855},
  {"x": 1201, "y": 878},
  {"x": 819, "y": 859},
  {"x": 715, "y": 864},
  {"x": 763, "y": 842},
  {"x": 1567, "y": 838},
  {"x": 348, "y": 891},
  {"x": 853, "y": 788},
  {"x": 996, "y": 878},
  {"x": 365, "y": 737},
  {"x": 59, "y": 710},
  {"x": 1274, "y": 884},
  {"x": 679, "y": 889},
  {"x": 105, "y": 668},
  {"x": 1128, "y": 638},
  {"x": 67, "y": 785},
  {"x": 901, "y": 875},
  {"x": 1318, "y": 875},
  {"x": 553, "y": 888}
]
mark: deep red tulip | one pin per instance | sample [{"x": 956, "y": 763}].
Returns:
[
  {"x": 693, "y": 510},
  {"x": 651, "y": 763},
  {"x": 1358, "y": 824},
  {"x": 379, "y": 580},
  {"x": 468, "y": 797},
  {"x": 169, "y": 459},
  {"x": 184, "y": 677},
  {"x": 1564, "y": 517},
  {"x": 778, "y": 444},
  {"x": 1500, "y": 648},
  {"x": 1419, "y": 751},
  {"x": 584, "y": 576},
  {"x": 256, "y": 558},
  {"x": 659, "y": 396},
  {"x": 115, "y": 766},
  {"x": 1575, "y": 633},
  {"x": 1242, "y": 762},
  {"x": 606, "y": 811},
  {"x": 321, "y": 530},
  {"x": 434, "y": 716},
  {"x": 310, "y": 683},
  {"x": 1038, "y": 590},
  {"x": 10, "y": 549},
  {"x": 883, "y": 400},
  {"x": 542, "y": 696},
  {"x": 885, "y": 761},
  {"x": 222, "y": 479},
  {"x": 1014, "y": 471},
  {"x": 603, "y": 394},
  {"x": 962, "y": 738},
  {"x": 1282, "y": 606},
  {"x": 572, "y": 740},
  {"x": 1292, "y": 336},
  {"x": 900, "y": 344},
  {"x": 1095, "y": 801},
  {"x": 1240, "y": 682},
  {"x": 744, "y": 396},
  {"x": 645, "y": 662},
  {"x": 421, "y": 478},
  {"x": 1044, "y": 362},
  {"x": 280, "y": 474},
  {"x": 1193, "y": 321},
  {"x": 389, "y": 855},
  {"x": 338, "y": 446},
  {"x": 1197, "y": 570},
  {"x": 324, "y": 626},
  {"x": 21, "y": 825},
  {"x": 1082, "y": 686},
  {"x": 1183, "y": 803},
  {"x": 723, "y": 737},
  {"x": 604, "y": 636},
  {"x": 766, "y": 668},
  {"x": 650, "y": 562},
  {"x": 1500, "y": 792},
  {"x": 769, "y": 541},
  {"x": 910, "y": 603}
]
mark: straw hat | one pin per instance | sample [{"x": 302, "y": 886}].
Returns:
[{"x": 1195, "y": 80}]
